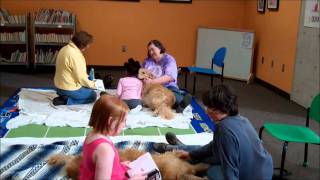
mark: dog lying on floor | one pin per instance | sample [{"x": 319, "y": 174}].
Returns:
[
  {"x": 169, "y": 164},
  {"x": 156, "y": 97}
]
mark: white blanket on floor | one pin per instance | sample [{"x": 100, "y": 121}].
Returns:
[{"x": 36, "y": 107}]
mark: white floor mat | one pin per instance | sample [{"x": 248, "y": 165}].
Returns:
[{"x": 36, "y": 107}]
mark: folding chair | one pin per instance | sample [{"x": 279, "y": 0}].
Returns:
[
  {"x": 294, "y": 133},
  {"x": 217, "y": 59}
]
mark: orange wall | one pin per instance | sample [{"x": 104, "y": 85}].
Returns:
[
  {"x": 276, "y": 35},
  {"x": 114, "y": 24},
  {"x": 133, "y": 24}
]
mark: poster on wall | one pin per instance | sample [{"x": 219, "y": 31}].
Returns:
[
  {"x": 311, "y": 16},
  {"x": 247, "y": 40}
]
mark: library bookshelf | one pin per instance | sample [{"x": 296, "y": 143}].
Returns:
[
  {"x": 14, "y": 44},
  {"x": 50, "y": 31}
]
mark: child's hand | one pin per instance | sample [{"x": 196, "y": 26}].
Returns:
[{"x": 127, "y": 164}]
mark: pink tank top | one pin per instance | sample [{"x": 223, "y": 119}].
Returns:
[{"x": 87, "y": 166}]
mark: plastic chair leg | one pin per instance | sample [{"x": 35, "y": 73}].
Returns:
[
  {"x": 260, "y": 132},
  {"x": 285, "y": 173},
  {"x": 305, "y": 160},
  {"x": 283, "y": 158}
]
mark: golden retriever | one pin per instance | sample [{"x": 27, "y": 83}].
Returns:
[
  {"x": 169, "y": 164},
  {"x": 156, "y": 97}
]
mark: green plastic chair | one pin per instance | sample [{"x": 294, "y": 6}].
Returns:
[{"x": 294, "y": 133}]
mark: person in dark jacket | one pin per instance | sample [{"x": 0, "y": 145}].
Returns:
[{"x": 236, "y": 152}]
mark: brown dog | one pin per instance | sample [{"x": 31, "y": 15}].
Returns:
[
  {"x": 169, "y": 164},
  {"x": 156, "y": 97},
  {"x": 145, "y": 74}
]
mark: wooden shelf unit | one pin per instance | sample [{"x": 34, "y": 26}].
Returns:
[
  {"x": 14, "y": 44},
  {"x": 48, "y": 38}
]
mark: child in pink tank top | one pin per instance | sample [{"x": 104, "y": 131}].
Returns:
[{"x": 100, "y": 157}]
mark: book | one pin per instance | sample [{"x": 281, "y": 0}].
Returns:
[
  {"x": 99, "y": 84},
  {"x": 144, "y": 165}
]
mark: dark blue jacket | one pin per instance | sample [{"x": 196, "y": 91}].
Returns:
[{"x": 238, "y": 149}]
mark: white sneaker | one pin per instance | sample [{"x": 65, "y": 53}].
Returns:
[{"x": 136, "y": 109}]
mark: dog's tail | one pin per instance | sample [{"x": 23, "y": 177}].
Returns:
[
  {"x": 165, "y": 112},
  {"x": 59, "y": 159},
  {"x": 71, "y": 164}
]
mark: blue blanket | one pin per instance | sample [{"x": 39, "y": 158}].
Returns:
[{"x": 30, "y": 161}]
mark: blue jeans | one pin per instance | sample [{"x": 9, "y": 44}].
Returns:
[
  {"x": 81, "y": 96},
  {"x": 177, "y": 93},
  {"x": 133, "y": 103},
  {"x": 214, "y": 172}
]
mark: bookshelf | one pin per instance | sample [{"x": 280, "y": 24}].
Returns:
[
  {"x": 14, "y": 32},
  {"x": 51, "y": 30}
]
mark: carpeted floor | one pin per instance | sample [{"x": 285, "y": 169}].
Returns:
[{"x": 256, "y": 102}]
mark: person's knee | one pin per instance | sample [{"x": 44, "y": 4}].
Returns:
[{"x": 93, "y": 96}]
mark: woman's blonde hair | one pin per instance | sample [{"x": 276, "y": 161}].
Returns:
[{"x": 104, "y": 108}]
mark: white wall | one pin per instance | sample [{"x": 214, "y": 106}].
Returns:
[
  {"x": 306, "y": 81},
  {"x": 239, "y": 44}
]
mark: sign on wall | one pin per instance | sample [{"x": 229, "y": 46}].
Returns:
[{"x": 311, "y": 16}]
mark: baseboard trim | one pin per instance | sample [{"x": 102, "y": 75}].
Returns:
[
  {"x": 101, "y": 67},
  {"x": 272, "y": 88}
]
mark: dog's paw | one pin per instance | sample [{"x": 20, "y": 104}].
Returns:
[
  {"x": 165, "y": 112},
  {"x": 156, "y": 112}
]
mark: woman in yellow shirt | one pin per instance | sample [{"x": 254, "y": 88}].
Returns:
[{"x": 71, "y": 78}]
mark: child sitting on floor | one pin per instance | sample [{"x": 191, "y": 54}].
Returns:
[
  {"x": 100, "y": 157},
  {"x": 130, "y": 87}
]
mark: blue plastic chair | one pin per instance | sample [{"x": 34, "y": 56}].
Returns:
[{"x": 217, "y": 59}]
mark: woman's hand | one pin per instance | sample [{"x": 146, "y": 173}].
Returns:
[
  {"x": 148, "y": 81},
  {"x": 183, "y": 154}
]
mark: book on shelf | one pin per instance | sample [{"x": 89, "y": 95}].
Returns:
[
  {"x": 13, "y": 36},
  {"x": 46, "y": 57},
  {"x": 53, "y": 38},
  {"x": 16, "y": 57},
  {"x": 19, "y": 57},
  {"x": 6, "y": 18},
  {"x": 52, "y": 16}
]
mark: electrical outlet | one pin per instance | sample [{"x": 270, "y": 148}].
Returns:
[{"x": 124, "y": 48}]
